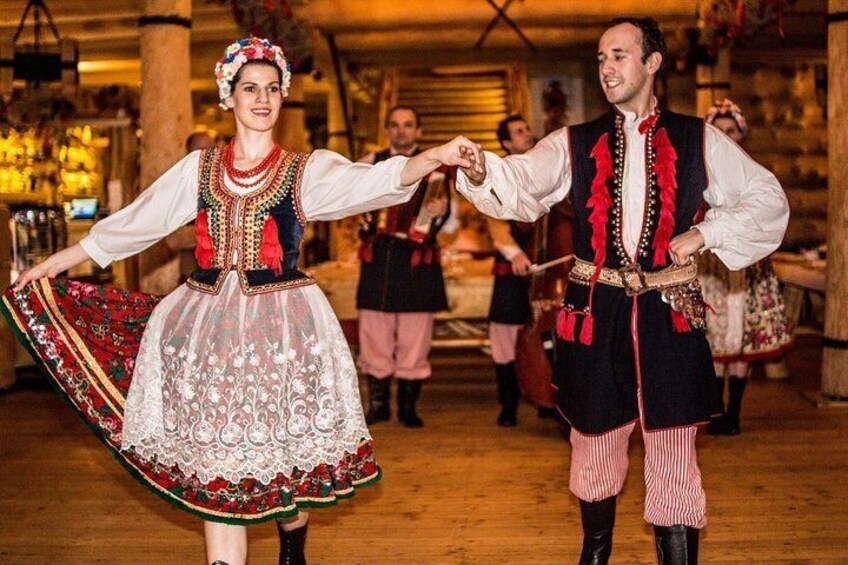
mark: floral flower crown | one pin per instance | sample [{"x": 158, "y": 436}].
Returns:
[
  {"x": 239, "y": 53},
  {"x": 726, "y": 108}
]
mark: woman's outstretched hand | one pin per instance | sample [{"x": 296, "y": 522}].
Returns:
[
  {"x": 459, "y": 152},
  {"x": 52, "y": 266}
]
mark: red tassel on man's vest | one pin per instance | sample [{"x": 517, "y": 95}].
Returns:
[
  {"x": 600, "y": 202},
  {"x": 205, "y": 250},
  {"x": 679, "y": 322},
  {"x": 587, "y": 330},
  {"x": 271, "y": 252},
  {"x": 565, "y": 324}
]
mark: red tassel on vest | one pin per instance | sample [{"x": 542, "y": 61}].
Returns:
[
  {"x": 600, "y": 202},
  {"x": 271, "y": 252},
  {"x": 205, "y": 250},
  {"x": 588, "y": 329},
  {"x": 565, "y": 324},
  {"x": 416, "y": 257},
  {"x": 679, "y": 322}
]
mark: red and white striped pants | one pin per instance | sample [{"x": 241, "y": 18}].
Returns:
[{"x": 673, "y": 493}]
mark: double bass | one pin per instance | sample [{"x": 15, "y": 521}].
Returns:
[{"x": 552, "y": 239}]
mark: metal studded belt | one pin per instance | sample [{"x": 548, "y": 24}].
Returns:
[{"x": 633, "y": 279}]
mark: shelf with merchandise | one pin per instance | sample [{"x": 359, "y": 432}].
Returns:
[{"x": 50, "y": 164}]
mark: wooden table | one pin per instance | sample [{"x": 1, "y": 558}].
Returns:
[{"x": 801, "y": 278}]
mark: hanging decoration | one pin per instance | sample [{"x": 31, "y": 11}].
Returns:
[
  {"x": 279, "y": 22},
  {"x": 734, "y": 20},
  {"x": 726, "y": 23}
]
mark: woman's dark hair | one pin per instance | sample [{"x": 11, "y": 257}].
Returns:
[
  {"x": 236, "y": 78},
  {"x": 653, "y": 40}
]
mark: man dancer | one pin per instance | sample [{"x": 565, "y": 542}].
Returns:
[
  {"x": 400, "y": 282},
  {"x": 632, "y": 345}
]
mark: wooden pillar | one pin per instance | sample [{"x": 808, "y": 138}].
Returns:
[
  {"x": 7, "y": 339},
  {"x": 166, "y": 115},
  {"x": 835, "y": 341},
  {"x": 290, "y": 129},
  {"x": 712, "y": 82}
]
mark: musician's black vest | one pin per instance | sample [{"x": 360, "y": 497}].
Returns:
[
  {"x": 510, "y": 293},
  {"x": 401, "y": 275}
]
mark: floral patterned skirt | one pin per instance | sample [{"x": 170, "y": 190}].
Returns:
[
  {"x": 746, "y": 320},
  {"x": 236, "y": 408}
]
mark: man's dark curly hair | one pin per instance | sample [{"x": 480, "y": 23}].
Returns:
[{"x": 653, "y": 40}]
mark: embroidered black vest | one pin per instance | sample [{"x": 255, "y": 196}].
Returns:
[
  {"x": 686, "y": 136},
  {"x": 263, "y": 228},
  {"x": 397, "y": 274}
]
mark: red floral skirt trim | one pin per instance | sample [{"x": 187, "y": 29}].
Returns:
[{"x": 86, "y": 337}]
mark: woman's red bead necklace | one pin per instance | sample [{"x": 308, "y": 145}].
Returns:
[{"x": 263, "y": 169}]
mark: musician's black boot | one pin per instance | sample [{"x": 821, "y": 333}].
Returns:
[
  {"x": 598, "y": 523},
  {"x": 508, "y": 393},
  {"x": 736, "y": 386},
  {"x": 718, "y": 423},
  {"x": 378, "y": 400},
  {"x": 676, "y": 545},
  {"x": 407, "y": 395}
]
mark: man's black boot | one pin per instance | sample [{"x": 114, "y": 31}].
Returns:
[
  {"x": 676, "y": 545},
  {"x": 407, "y": 395},
  {"x": 378, "y": 400},
  {"x": 598, "y": 523}
]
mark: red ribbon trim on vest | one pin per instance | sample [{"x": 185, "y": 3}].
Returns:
[
  {"x": 665, "y": 169},
  {"x": 205, "y": 250}
]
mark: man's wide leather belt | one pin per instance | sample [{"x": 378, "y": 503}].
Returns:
[{"x": 633, "y": 279}]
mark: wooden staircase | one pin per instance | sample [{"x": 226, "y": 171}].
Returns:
[{"x": 456, "y": 100}]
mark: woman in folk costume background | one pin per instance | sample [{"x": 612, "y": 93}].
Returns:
[
  {"x": 235, "y": 397},
  {"x": 747, "y": 320}
]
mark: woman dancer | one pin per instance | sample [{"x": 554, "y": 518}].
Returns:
[
  {"x": 234, "y": 397},
  {"x": 747, "y": 322}
]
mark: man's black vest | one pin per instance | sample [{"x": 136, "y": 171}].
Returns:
[{"x": 634, "y": 344}]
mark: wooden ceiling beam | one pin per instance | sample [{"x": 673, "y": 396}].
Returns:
[{"x": 338, "y": 16}]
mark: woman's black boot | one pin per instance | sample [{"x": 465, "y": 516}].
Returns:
[{"x": 292, "y": 545}]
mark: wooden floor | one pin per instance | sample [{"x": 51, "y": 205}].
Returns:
[{"x": 460, "y": 491}]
